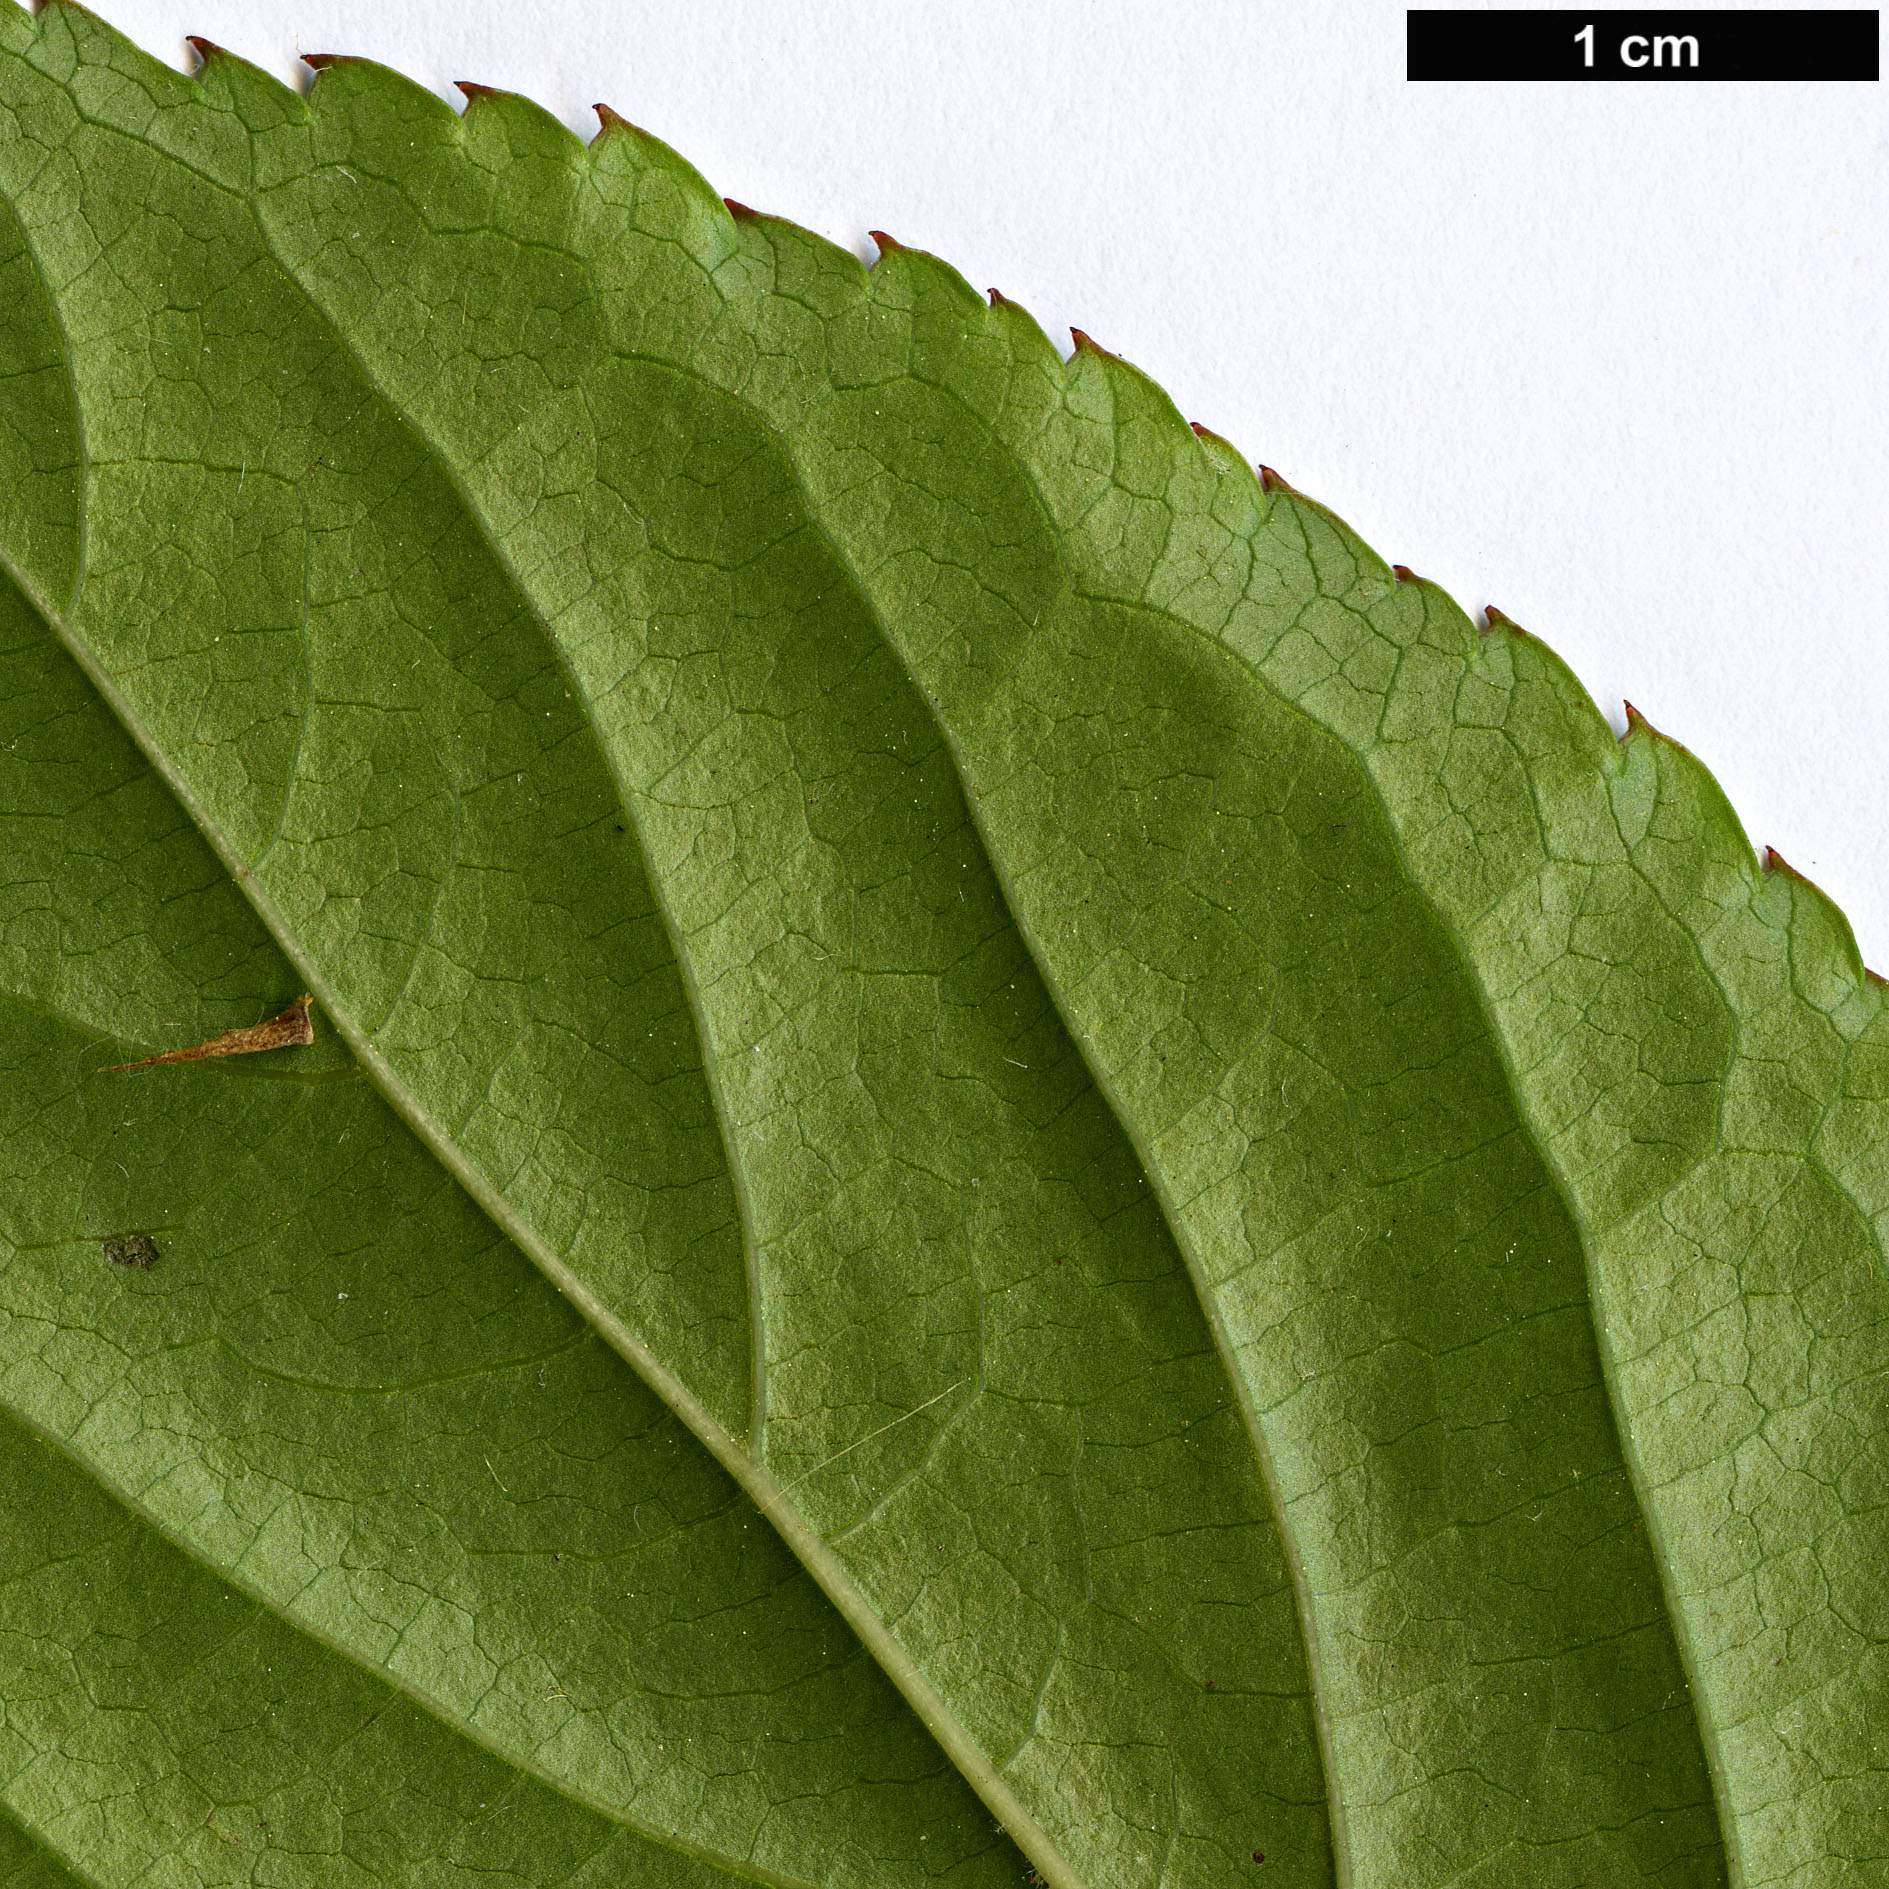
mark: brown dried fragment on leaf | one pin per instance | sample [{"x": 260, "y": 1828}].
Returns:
[
  {"x": 290, "y": 1030},
  {"x": 132, "y": 1249}
]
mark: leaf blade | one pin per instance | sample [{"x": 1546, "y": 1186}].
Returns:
[
  {"x": 264, "y": 881},
  {"x": 1116, "y": 640},
  {"x": 341, "y": 1383}
]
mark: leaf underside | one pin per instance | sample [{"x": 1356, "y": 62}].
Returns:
[{"x": 1020, "y": 1167}]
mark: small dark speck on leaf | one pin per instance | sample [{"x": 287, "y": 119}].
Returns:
[
  {"x": 132, "y": 1249},
  {"x": 1209, "y": 1685},
  {"x": 1259, "y": 1856}
]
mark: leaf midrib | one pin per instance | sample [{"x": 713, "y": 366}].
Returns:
[
  {"x": 685, "y": 970},
  {"x": 768, "y": 1495}
]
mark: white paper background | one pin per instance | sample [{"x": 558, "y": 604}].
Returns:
[{"x": 1610, "y": 357}]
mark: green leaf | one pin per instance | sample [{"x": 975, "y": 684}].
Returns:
[{"x": 1009, "y": 1164}]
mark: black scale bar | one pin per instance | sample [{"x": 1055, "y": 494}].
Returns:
[{"x": 1667, "y": 46}]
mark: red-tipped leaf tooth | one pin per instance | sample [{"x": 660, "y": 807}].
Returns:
[
  {"x": 998, "y": 299},
  {"x": 610, "y": 119},
  {"x": 1207, "y": 432},
  {"x": 205, "y": 49},
  {"x": 1638, "y": 724},
  {"x": 739, "y": 210},
  {"x": 321, "y": 61},
  {"x": 1495, "y": 620},
  {"x": 1269, "y": 480},
  {"x": 1774, "y": 861},
  {"x": 887, "y": 244},
  {"x": 1404, "y": 574},
  {"x": 474, "y": 91},
  {"x": 1084, "y": 341}
]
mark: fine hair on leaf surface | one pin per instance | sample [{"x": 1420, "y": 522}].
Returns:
[{"x": 1015, "y": 1169}]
